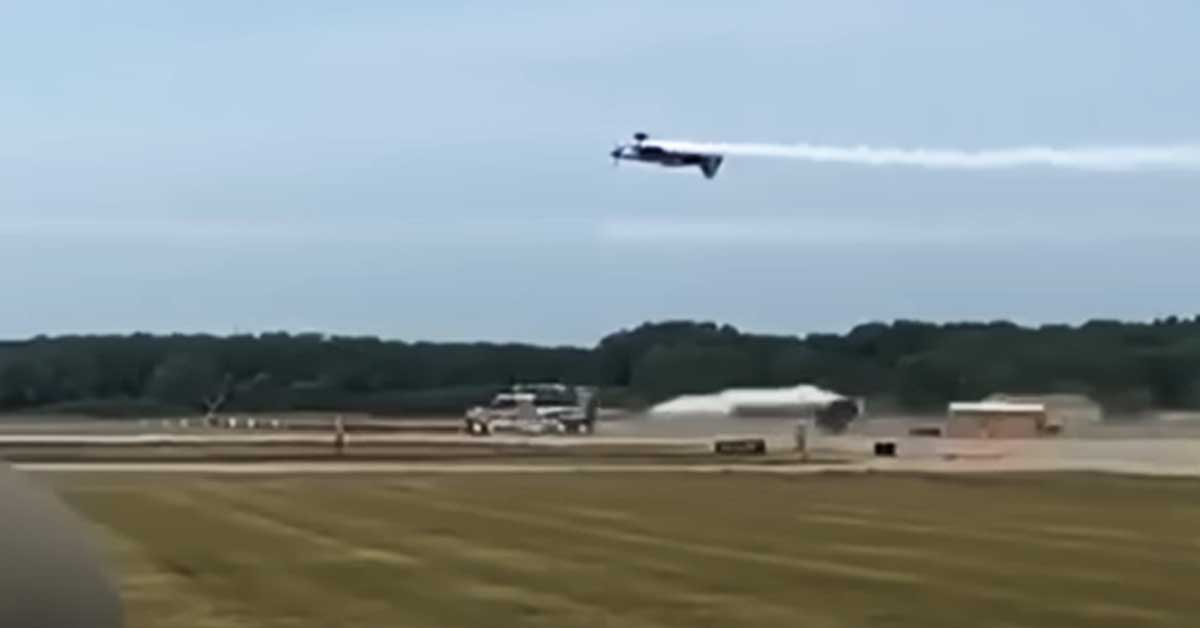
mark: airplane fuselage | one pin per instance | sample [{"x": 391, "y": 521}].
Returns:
[{"x": 648, "y": 152}]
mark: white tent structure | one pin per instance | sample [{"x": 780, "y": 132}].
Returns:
[{"x": 801, "y": 399}]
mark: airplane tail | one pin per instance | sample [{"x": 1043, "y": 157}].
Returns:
[{"x": 711, "y": 165}]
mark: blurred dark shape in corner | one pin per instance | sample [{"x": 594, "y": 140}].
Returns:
[{"x": 50, "y": 575}]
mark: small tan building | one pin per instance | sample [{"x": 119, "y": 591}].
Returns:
[
  {"x": 996, "y": 419},
  {"x": 1065, "y": 413}
]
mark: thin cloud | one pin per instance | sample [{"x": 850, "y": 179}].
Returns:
[
  {"x": 284, "y": 231},
  {"x": 782, "y": 231}
]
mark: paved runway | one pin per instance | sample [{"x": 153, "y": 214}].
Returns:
[
  {"x": 1151, "y": 456},
  {"x": 898, "y": 465},
  {"x": 233, "y": 438}
]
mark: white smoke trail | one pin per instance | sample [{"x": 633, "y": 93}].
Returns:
[{"x": 1114, "y": 158}]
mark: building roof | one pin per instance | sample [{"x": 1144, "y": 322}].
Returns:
[
  {"x": 1049, "y": 399},
  {"x": 997, "y": 407}
]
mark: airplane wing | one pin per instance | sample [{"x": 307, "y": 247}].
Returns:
[{"x": 52, "y": 575}]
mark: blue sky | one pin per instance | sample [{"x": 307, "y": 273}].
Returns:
[{"x": 439, "y": 170}]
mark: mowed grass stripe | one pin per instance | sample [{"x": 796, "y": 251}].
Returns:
[
  {"x": 950, "y": 532},
  {"x": 668, "y": 588},
  {"x": 335, "y": 589},
  {"x": 586, "y": 550},
  {"x": 576, "y": 581},
  {"x": 1017, "y": 527},
  {"x": 614, "y": 571},
  {"x": 819, "y": 593},
  {"x": 1149, "y": 573},
  {"x": 1002, "y": 534},
  {"x": 999, "y": 588},
  {"x": 240, "y": 569},
  {"x": 544, "y": 521},
  {"x": 850, "y": 572},
  {"x": 991, "y": 575},
  {"x": 154, "y": 597},
  {"x": 634, "y": 572},
  {"x": 990, "y": 506},
  {"x": 635, "y": 587},
  {"x": 954, "y": 566}
]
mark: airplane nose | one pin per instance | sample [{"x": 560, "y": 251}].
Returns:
[{"x": 616, "y": 153}]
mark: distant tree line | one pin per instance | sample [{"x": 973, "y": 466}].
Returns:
[{"x": 904, "y": 365}]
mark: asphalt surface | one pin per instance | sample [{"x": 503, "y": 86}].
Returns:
[
  {"x": 1149, "y": 455},
  {"x": 898, "y": 465}
]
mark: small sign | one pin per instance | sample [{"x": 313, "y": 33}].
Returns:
[{"x": 741, "y": 446}]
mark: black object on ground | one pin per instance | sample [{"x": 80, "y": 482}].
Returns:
[{"x": 740, "y": 446}]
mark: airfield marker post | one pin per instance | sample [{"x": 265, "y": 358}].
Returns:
[
  {"x": 339, "y": 437},
  {"x": 801, "y": 436}
]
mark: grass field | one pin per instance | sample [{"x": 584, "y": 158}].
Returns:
[{"x": 1053, "y": 551}]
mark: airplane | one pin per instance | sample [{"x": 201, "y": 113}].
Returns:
[{"x": 641, "y": 149}]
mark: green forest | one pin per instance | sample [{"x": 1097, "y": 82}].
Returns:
[{"x": 903, "y": 365}]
